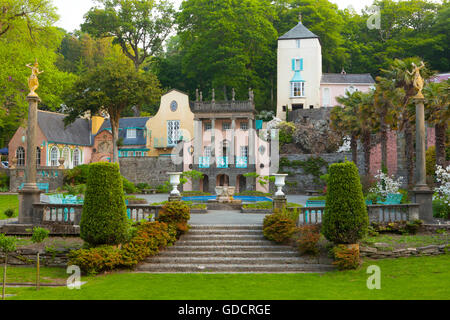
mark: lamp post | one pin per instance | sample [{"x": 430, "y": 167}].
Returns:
[
  {"x": 30, "y": 193},
  {"x": 279, "y": 200}
]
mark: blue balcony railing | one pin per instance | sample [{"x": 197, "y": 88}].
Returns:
[
  {"x": 222, "y": 162},
  {"x": 203, "y": 162},
  {"x": 241, "y": 162}
]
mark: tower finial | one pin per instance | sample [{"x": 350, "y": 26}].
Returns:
[{"x": 300, "y": 17}]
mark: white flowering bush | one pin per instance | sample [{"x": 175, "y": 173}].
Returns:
[
  {"x": 443, "y": 178},
  {"x": 386, "y": 184}
]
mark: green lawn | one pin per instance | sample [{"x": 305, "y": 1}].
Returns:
[
  {"x": 6, "y": 202},
  {"x": 404, "y": 278}
]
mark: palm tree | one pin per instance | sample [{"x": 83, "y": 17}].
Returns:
[
  {"x": 437, "y": 111},
  {"x": 398, "y": 72}
]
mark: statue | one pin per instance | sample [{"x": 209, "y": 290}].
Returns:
[
  {"x": 33, "y": 82},
  {"x": 418, "y": 80}
]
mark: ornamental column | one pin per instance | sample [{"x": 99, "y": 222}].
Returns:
[{"x": 233, "y": 142}]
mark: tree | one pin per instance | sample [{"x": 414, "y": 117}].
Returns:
[
  {"x": 138, "y": 26},
  {"x": 345, "y": 219},
  {"x": 437, "y": 111},
  {"x": 30, "y": 13},
  {"x": 229, "y": 44},
  {"x": 113, "y": 86}
]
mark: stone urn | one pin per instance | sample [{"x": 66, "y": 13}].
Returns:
[
  {"x": 230, "y": 193},
  {"x": 174, "y": 180},
  {"x": 279, "y": 183}
]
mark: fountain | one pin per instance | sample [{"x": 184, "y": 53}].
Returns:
[{"x": 224, "y": 199}]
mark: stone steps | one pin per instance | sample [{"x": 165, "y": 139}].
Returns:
[{"x": 230, "y": 249}]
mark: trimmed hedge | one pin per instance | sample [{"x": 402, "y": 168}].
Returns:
[
  {"x": 345, "y": 219},
  {"x": 104, "y": 218}
]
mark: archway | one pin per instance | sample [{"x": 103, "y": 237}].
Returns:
[
  {"x": 241, "y": 183},
  {"x": 222, "y": 180}
]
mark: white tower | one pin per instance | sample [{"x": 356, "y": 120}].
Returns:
[{"x": 299, "y": 70}]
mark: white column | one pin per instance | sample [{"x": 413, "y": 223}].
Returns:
[
  {"x": 251, "y": 143},
  {"x": 233, "y": 143},
  {"x": 198, "y": 140}
]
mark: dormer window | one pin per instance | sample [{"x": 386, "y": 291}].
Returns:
[{"x": 131, "y": 133}]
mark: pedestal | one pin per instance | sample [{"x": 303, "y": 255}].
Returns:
[
  {"x": 279, "y": 203},
  {"x": 174, "y": 198},
  {"x": 424, "y": 198},
  {"x": 27, "y": 197}
]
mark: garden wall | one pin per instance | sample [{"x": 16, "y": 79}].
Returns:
[
  {"x": 299, "y": 181},
  {"x": 151, "y": 170},
  {"x": 26, "y": 257},
  {"x": 51, "y": 175}
]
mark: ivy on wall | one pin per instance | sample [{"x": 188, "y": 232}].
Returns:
[{"x": 313, "y": 166}]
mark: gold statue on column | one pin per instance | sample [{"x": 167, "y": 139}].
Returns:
[
  {"x": 33, "y": 82},
  {"x": 418, "y": 80}
]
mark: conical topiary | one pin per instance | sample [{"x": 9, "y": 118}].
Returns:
[{"x": 345, "y": 220}]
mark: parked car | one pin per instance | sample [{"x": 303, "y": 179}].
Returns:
[{"x": 5, "y": 164}]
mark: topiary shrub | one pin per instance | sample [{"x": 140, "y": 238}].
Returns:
[
  {"x": 279, "y": 226},
  {"x": 176, "y": 213},
  {"x": 9, "y": 213},
  {"x": 104, "y": 217},
  {"x": 345, "y": 218}
]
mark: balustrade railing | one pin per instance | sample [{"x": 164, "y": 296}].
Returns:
[
  {"x": 70, "y": 214},
  {"x": 377, "y": 213}
]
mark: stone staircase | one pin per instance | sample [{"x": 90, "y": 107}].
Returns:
[{"x": 231, "y": 249}]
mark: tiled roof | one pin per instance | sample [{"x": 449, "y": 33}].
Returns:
[
  {"x": 52, "y": 125},
  {"x": 124, "y": 123},
  {"x": 298, "y": 32},
  {"x": 365, "y": 78}
]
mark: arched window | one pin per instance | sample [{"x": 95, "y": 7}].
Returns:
[
  {"x": 38, "y": 156},
  {"x": 20, "y": 155},
  {"x": 54, "y": 157},
  {"x": 76, "y": 157},
  {"x": 66, "y": 156}
]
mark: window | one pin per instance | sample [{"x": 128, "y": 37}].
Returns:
[
  {"x": 297, "y": 89},
  {"x": 297, "y": 43},
  {"x": 208, "y": 126},
  {"x": 244, "y": 151},
  {"x": 76, "y": 157},
  {"x": 173, "y": 132},
  {"x": 298, "y": 106},
  {"x": 54, "y": 157},
  {"x": 20, "y": 155},
  {"x": 244, "y": 126},
  {"x": 326, "y": 97},
  {"x": 38, "y": 156},
  {"x": 297, "y": 64},
  {"x": 131, "y": 133},
  {"x": 207, "y": 151},
  {"x": 225, "y": 126},
  {"x": 66, "y": 156},
  {"x": 138, "y": 153}
]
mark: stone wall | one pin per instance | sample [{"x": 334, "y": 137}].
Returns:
[
  {"x": 378, "y": 253},
  {"x": 27, "y": 257},
  {"x": 151, "y": 170},
  {"x": 298, "y": 181},
  {"x": 51, "y": 175}
]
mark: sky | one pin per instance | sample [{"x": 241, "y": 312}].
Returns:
[{"x": 71, "y": 12}]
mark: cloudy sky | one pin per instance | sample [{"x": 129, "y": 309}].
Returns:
[{"x": 71, "y": 12}]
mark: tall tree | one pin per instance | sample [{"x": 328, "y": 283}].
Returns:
[
  {"x": 229, "y": 44},
  {"x": 114, "y": 86},
  {"x": 438, "y": 113},
  {"x": 138, "y": 26}
]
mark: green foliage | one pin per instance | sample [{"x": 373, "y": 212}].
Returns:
[
  {"x": 4, "y": 181},
  {"x": 345, "y": 219},
  {"x": 75, "y": 190},
  {"x": 194, "y": 193},
  {"x": 253, "y": 193},
  {"x": 77, "y": 175},
  {"x": 128, "y": 186},
  {"x": 286, "y": 132},
  {"x": 312, "y": 166},
  {"x": 95, "y": 260},
  {"x": 346, "y": 258},
  {"x": 430, "y": 159},
  {"x": 177, "y": 214},
  {"x": 164, "y": 188},
  {"x": 104, "y": 219},
  {"x": 397, "y": 227},
  {"x": 9, "y": 213},
  {"x": 441, "y": 209},
  {"x": 308, "y": 239},
  {"x": 192, "y": 175},
  {"x": 7, "y": 244},
  {"x": 39, "y": 234},
  {"x": 259, "y": 205},
  {"x": 279, "y": 226}
]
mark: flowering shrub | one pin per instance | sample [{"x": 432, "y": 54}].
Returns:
[
  {"x": 443, "y": 178},
  {"x": 386, "y": 184}
]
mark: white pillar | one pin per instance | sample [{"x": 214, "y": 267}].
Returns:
[
  {"x": 198, "y": 140},
  {"x": 251, "y": 143},
  {"x": 233, "y": 143}
]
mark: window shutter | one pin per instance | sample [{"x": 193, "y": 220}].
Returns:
[
  {"x": 301, "y": 64},
  {"x": 293, "y": 64}
]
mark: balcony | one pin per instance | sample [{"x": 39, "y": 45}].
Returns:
[
  {"x": 241, "y": 162},
  {"x": 204, "y": 162},
  {"x": 222, "y": 162}
]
